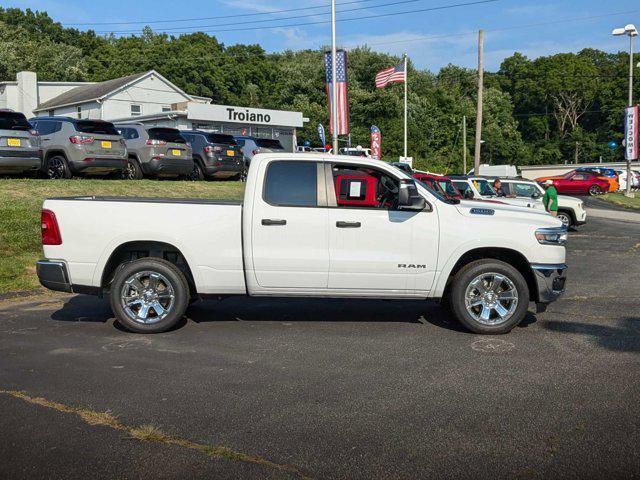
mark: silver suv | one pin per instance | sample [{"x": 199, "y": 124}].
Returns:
[
  {"x": 19, "y": 144},
  {"x": 79, "y": 146},
  {"x": 251, "y": 146},
  {"x": 155, "y": 152}
]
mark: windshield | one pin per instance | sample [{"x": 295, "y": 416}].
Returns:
[
  {"x": 484, "y": 188},
  {"x": 92, "y": 126},
  {"x": 13, "y": 121}
]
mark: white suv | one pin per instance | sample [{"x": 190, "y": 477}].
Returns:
[{"x": 570, "y": 209}]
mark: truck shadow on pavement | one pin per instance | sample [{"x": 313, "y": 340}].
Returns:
[
  {"x": 625, "y": 337},
  {"x": 82, "y": 308}
]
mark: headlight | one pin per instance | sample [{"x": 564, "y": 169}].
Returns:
[{"x": 552, "y": 236}]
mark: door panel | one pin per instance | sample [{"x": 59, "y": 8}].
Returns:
[{"x": 290, "y": 245}]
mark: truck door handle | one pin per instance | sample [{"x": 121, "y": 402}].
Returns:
[
  {"x": 269, "y": 221},
  {"x": 348, "y": 224}
]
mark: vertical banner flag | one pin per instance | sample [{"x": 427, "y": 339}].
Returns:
[
  {"x": 376, "y": 143},
  {"x": 341, "y": 84},
  {"x": 631, "y": 133},
  {"x": 321, "y": 133}
]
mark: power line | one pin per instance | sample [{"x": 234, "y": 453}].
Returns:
[
  {"x": 274, "y": 12},
  {"x": 188, "y": 28},
  {"x": 503, "y": 29},
  {"x": 391, "y": 14}
]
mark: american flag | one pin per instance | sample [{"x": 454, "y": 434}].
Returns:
[
  {"x": 343, "y": 102},
  {"x": 390, "y": 75}
]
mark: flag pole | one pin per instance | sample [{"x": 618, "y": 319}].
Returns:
[
  {"x": 334, "y": 91},
  {"x": 405, "y": 105}
]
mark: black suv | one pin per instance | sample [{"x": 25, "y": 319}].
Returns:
[
  {"x": 215, "y": 155},
  {"x": 19, "y": 144}
]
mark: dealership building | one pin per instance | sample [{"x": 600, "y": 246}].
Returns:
[{"x": 146, "y": 98}]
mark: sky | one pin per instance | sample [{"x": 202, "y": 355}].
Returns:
[{"x": 431, "y": 38}]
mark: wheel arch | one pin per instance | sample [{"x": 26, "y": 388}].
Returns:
[
  {"x": 134, "y": 250},
  {"x": 55, "y": 152},
  {"x": 507, "y": 255}
]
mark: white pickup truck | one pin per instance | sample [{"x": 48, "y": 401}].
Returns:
[{"x": 309, "y": 226}]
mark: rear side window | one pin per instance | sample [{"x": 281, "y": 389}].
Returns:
[
  {"x": 47, "y": 127},
  {"x": 128, "y": 133},
  {"x": 96, "y": 127},
  {"x": 166, "y": 134},
  {"x": 221, "y": 138},
  {"x": 269, "y": 143},
  {"x": 14, "y": 121},
  {"x": 292, "y": 184}
]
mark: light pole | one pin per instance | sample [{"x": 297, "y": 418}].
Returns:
[{"x": 632, "y": 32}]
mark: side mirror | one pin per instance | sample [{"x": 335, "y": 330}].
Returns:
[
  {"x": 535, "y": 195},
  {"x": 409, "y": 198},
  {"x": 468, "y": 194}
]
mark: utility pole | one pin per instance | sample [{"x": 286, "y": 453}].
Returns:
[
  {"x": 464, "y": 144},
  {"x": 576, "y": 153},
  {"x": 476, "y": 158},
  {"x": 334, "y": 89}
]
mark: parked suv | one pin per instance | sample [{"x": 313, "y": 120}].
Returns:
[
  {"x": 79, "y": 146},
  {"x": 19, "y": 144},
  {"x": 251, "y": 146},
  {"x": 215, "y": 155},
  {"x": 155, "y": 152}
]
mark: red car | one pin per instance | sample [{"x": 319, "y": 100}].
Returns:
[
  {"x": 438, "y": 183},
  {"x": 580, "y": 183}
]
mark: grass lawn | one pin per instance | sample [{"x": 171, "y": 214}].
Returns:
[
  {"x": 620, "y": 199},
  {"x": 21, "y": 201}
]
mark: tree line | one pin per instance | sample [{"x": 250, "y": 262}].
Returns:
[{"x": 551, "y": 109}]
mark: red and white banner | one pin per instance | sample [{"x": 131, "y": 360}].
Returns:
[
  {"x": 631, "y": 133},
  {"x": 341, "y": 84},
  {"x": 376, "y": 143}
]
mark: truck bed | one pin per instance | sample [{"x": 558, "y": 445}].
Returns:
[{"x": 207, "y": 233}]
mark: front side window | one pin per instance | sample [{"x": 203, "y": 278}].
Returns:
[
  {"x": 484, "y": 188},
  {"x": 364, "y": 187},
  {"x": 292, "y": 184}
]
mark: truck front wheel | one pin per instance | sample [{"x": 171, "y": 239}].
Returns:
[
  {"x": 489, "y": 296},
  {"x": 149, "y": 295}
]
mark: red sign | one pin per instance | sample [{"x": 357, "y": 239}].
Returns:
[{"x": 376, "y": 142}]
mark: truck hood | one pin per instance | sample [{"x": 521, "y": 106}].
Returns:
[{"x": 470, "y": 208}]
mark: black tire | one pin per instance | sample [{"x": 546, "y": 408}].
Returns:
[
  {"x": 197, "y": 173},
  {"x": 132, "y": 171},
  {"x": 595, "y": 190},
  {"x": 164, "y": 272},
  {"x": 57, "y": 168},
  {"x": 471, "y": 272},
  {"x": 566, "y": 218},
  {"x": 242, "y": 177}
]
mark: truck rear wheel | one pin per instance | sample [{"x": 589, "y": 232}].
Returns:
[
  {"x": 149, "y": 295},
  {"x": 489, "y": 296}
]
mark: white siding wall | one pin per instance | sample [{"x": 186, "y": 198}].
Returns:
[
  {"x": 150, "y": 93},
  {"x": 9, "y": 99},
  {"x": 89, "y": 110}
]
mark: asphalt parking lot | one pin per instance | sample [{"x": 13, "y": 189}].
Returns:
[{"x": 271, "y": 388}]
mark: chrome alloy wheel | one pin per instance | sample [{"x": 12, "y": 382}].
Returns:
[
  {"x": 491, "y": 298},
  {"x": 147, "y": 297}
]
